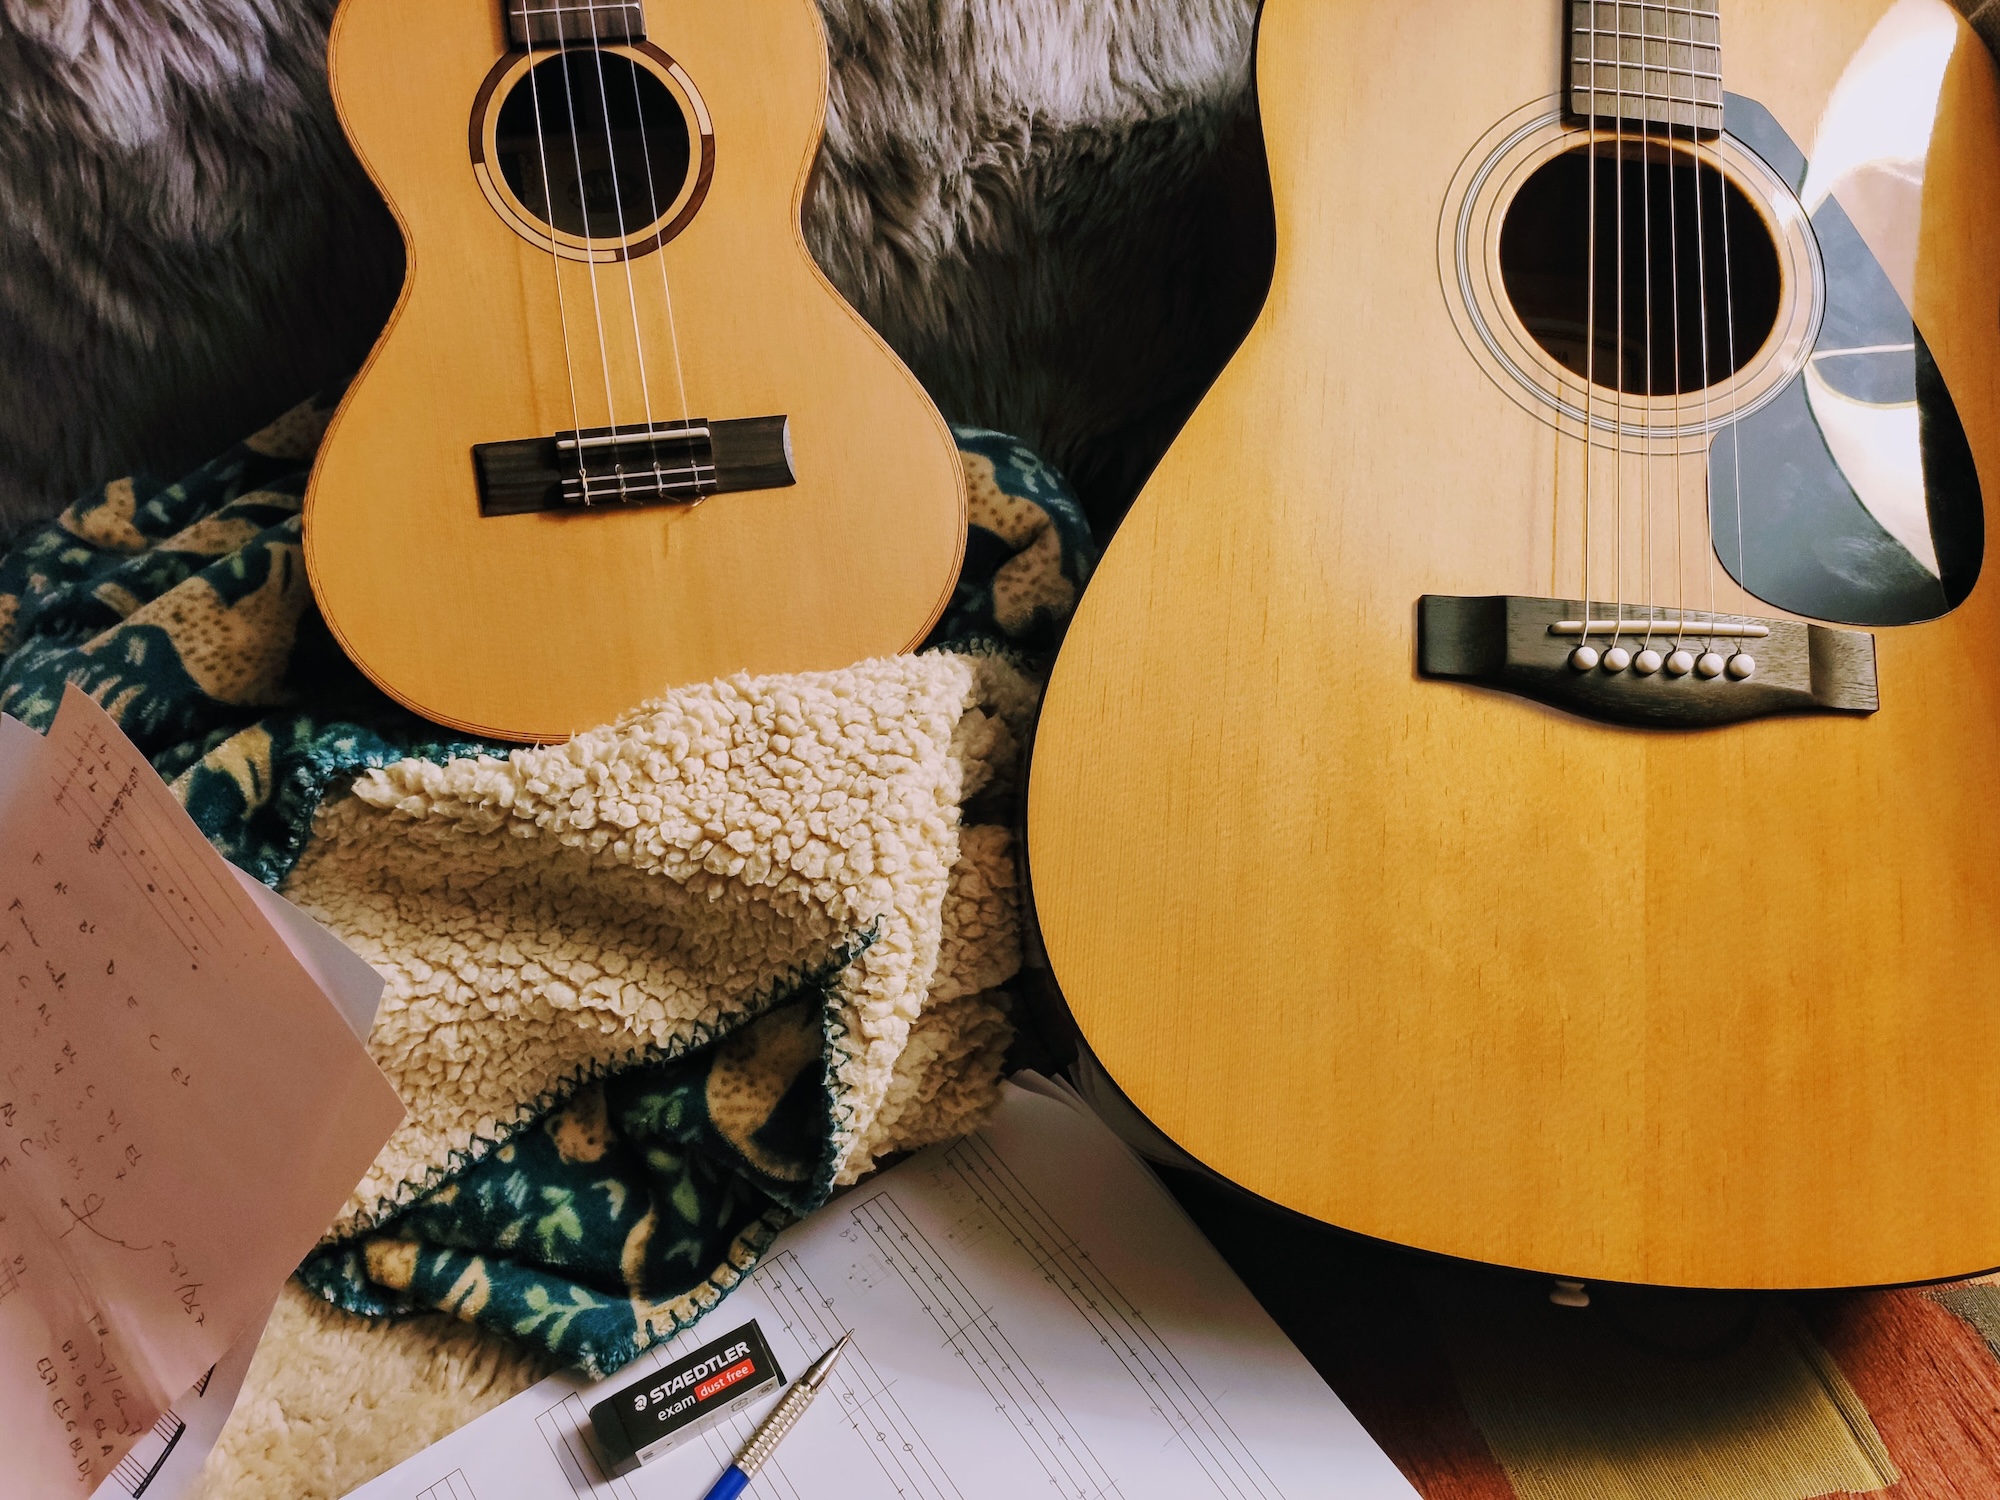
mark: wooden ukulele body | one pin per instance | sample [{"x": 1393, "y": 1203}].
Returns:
[
  {"x": 536, "y": 626},
  {"x": 1423, "y": 959}
]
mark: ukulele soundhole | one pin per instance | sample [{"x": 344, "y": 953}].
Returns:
[{"x": 592, "y": 152}]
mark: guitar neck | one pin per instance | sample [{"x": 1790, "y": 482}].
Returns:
[
  {"x": 547, "y": 23},
  {"x": 1645, "y": 63}
]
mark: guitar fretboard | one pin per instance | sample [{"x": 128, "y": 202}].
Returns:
[
  {"x": 1646, "y": 63},
  {"x": 543, "y": 23}
]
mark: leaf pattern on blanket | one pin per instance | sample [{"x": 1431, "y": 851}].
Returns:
[{"x": 634, "y": 1203}]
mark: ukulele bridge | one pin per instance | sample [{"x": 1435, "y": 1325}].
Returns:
[
  {"x": 658, "y": 463},
  {"x": 1651, "y": 668}
]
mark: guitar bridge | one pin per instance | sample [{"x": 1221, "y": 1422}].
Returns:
[
  {"x": 1650, "y": 668},
  {"x": 659, "y": 463}
]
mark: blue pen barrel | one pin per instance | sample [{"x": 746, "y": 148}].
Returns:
[{"x": 729, "y": 1486}]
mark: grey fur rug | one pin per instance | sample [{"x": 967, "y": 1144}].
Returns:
[{"x": 1053, "y": 209}]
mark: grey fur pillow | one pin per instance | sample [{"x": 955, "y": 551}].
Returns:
[{"x": 1035, "y": 200}]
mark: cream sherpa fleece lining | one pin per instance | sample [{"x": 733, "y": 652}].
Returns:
[
  {"x": 549, "y": 917},
  {"x": 331, "y": 1400}
]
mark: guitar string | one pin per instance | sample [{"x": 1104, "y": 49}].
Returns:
[
  {"x": 1709, "y": 485},
  {"x": 618, "y": 208},
  {"x": 1647, "y": 441},
  {"x": 1711, "y": 559},
  {"x": 660, "y": 250},
  {"x": 1557, "y": 453},
  {"x": 1590, "y": 318},
  {"x": 1729, "y": 304},
  {"x": 1707, "y": 378},
  {"x": 1674, "y": 267},
  {"x": 1618, "y": 390},
  {"x": 555, "y": 253},
  {"x": 590, "y": 261}
]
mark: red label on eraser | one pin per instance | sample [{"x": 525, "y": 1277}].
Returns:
[{"x": 739, "y": 1371}]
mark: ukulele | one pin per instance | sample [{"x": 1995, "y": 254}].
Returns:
[
  {"x": 621, "y": 433},
  {"x": 1522, "y": 783}
]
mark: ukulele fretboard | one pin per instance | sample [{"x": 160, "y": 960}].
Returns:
[
  {"x": 545, "y": 23},
  {"x": 1643, "y": 63}
]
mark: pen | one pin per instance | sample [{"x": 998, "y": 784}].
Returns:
[{"x": 771, "y": 1431}]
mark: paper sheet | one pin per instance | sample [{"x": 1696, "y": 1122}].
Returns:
[
  {"x": 1033, "y": 1315},
  {"x": 181, "y": 1109},
  {"x": 164, "y": 1464}
]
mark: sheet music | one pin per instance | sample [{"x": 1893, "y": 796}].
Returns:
[
  {"x": 181, "y": 1110},
  {"x": 1032, "y": 1315},
  {"x": 164, "y": 1464}
]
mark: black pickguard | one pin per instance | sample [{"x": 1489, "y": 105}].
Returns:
[{"x": 1786, "y": 521}]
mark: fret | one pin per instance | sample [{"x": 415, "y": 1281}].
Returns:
[
  {"x": 1646, "y": 62},
  {"x": 542, "y": 23}
]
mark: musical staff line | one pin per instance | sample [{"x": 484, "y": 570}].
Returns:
[
  {"x": 972, "y": 1333},
  {"x": 1170, "y": 1388},
  {"x": 139, "y": 1468}
]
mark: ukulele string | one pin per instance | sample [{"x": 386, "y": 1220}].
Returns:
[
  {"x": 618, "y": 208},
  {"x": 590, "y": 260},
  {"x": 666, "y": 290},
  {"x": 555, "y": 253}
]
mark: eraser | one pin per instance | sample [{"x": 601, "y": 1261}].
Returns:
[{"x": 670, "y": 1405}]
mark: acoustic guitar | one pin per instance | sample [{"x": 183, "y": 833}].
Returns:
[
  {"x": 620, "y": 433},
  {"x": 1522, "y": 783}
]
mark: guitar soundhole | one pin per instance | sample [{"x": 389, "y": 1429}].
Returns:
[
  {"x": 593, "y": 144},
  {"x": 1687, "y": 280}
]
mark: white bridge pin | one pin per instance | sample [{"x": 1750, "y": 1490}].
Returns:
[
  {"x": 1741, "y": 665},
  {"x": 1710, "y": 664},
  {"x": 1681, "y": 663},
  {"x": 1583, "y": 658},
  {"x": 1617, "y": 659},
  {"x": 1647, "y": 662}
]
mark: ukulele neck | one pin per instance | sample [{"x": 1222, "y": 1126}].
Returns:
[
  {"x": 551, "y": 23},
  {"x": 1647, "y": 64}
]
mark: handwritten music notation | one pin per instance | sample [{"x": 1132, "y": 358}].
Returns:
[
  {"x": 151, "y": 1156},
  {"x": 206, "y": 913}
]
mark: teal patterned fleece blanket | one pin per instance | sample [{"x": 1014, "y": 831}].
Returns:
[{"x": 636, "y": 1199}]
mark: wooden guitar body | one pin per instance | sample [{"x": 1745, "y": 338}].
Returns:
[
  {"x": 1368, "y": 929},
  {"x": 475, "y": 595}
]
